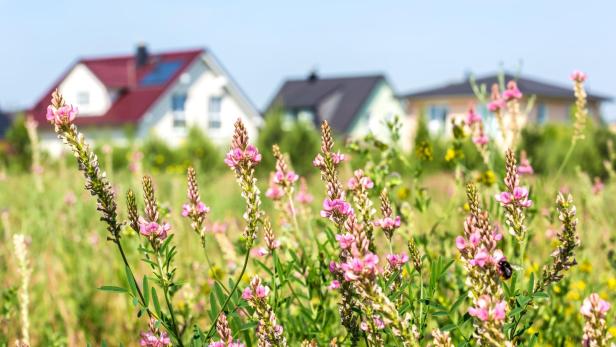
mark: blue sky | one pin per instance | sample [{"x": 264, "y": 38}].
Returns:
[{"x": 416, "y": 44}]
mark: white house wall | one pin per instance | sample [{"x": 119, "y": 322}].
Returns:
[
  {"x": 199, "y": 82},
  {"x": 81, "y": 80},
  {"x": 383, "y": 105}
]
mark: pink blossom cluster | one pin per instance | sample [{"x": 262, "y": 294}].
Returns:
[
  {"x": 259, "y": 292},
  {"x": 512, "y": 92},
  {"x": 154, "y": 337},
  {"x": 597, "y": 186},
  {"x": 525, "y": 168},
  {"x": 274, "y": 191},
  {"x": 477, "y": 253},
  {"x": 359, "y": 180},
  {"x": 336, "y": 208},
  {"x": 249, "y": 156},
  {"x": 345, "y": 241},
  {"x": 578, "y": 76},
  {"x": 189, "y": 210},
  {"x": 388, "y": 224},
  {"x": 519, "y": 197},
  {"x": 154, "y": 230},
  {"x": 473, "y": 120},
  {"x": 282, "y": 178},
  {"x": 488, "y": 309},
  {"x": 396, "y": 261},
  {"x": 378, "y": 324},
  {"x": 61, "y": 116},
  {"x": 224, "y": 344},
  {"x": 594, "y": 306},
  {"x": 472, "y": 117},
  {"x": 337, "y": 158},
  {"x": 359, "y": 266},
  {"x": 303, "y": 195}
]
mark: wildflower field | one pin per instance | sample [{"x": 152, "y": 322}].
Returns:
[{"x": 369, "y": 248}]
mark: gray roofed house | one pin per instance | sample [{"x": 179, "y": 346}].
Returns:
[
  {"x": 352, "y": 105},
  {"x": 553, "y": 101}
]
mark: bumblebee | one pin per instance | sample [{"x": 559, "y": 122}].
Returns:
[{"x": 505, "y": 269}]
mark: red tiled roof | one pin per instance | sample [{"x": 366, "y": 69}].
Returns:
[{"x": 120, "y": 73}]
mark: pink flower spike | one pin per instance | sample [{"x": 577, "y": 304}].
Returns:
[
  {"x": 578, "y": 76},
  {"x": 472, "y": 117},
  {"x": 481, "y": 258},
  {"x": 496, "y": 105},
  {"x": 512, "y": 92},
  {"x": 481, "y": 140}
]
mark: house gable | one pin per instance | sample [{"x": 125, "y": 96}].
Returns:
[{"x": 86, "y": 90}]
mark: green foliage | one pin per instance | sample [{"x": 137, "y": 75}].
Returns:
[
  {"x": 200, "y": 152},
  {"x": 19, "y": 144}
]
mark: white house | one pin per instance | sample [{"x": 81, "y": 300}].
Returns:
[
  {"x": 162, "y": 94},
  {"x": 353, "y": 106}
]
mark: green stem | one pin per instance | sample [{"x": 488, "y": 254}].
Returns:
[
  {"x": 165, "y": 286},
  {"x": 224, "y": 305},
  {"x": 274, "y": 258},
  {"x": 565, "y": 161}
]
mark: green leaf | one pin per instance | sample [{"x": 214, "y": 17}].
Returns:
[
  {"x": 156, "y": 303},
  {"x": 531, "y": 282},
  {"x": 146, "y": 291},
  {"x": 113, "y": 289},
  {"x": 131, "y": 282}
]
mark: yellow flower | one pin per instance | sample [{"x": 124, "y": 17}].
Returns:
[
  {"x": 534, "y": 267},
  {"x": 579, "y": 285},
  {"x": 487, "y": 178},
  {"x": 612, "y": 330},
  {"x": 585, "y": 266},
  {"x": 573, "y": 295},
  {"x": 532, "y": 330},
  {"x": 611, "y": 283},
  {"x": 450, "y": 154},
  {"x": 403, "y": 193},
  {"x": 556, "y": 288},
  {"x": 466, "y": 207}
]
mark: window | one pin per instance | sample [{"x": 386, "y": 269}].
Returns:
[
  {"x": 438, "y": 113},
  {"x": 83, "y": 98},
  {"x": 178, "y": 102},
  {"x": 214, "y": 107},
  {"x": 542, "y": 113}
]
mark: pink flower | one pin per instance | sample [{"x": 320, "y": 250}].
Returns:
[
  {"x": 578, "y": 76},
  {"x": 338, "y": 158},
  {"x": 475, "y": 238},
  {"x": 371, "y": 260},
  {"x": 388, "y": 223},
  {"x": 262, "y": 251},
  {"x": 186, "y": 209},
  {"x": 64, "y": 115},
  {"x": 217, "y": 344},
  {"x": 512, "y": 92},
  {"x": 496, "y": 105},
  {"x": 318, "y": 161},
  {"x": 481, "y": 258},
  {"x": 594, "y": 305},
  {"x": 378, "y": 323},
  {"x": 460, "y": 243},
  {"x": 397, "y": 260},
  {"x": 336, "y": 208},
  {"x": 597, "y": 187},
  {"x": 334, "y": 285},
  {"x": 261, "y": 291},
  {"x": 472, "y": 117},
  {"x": 483, "y": 311},
  {"x": 281, "y": 178},
  {"x": 247, "y": 294},
  {"x": 500, "y": 310},
  {"x": 154, "y": 230},
  {"x": 481, "y": 140},
  {"x": 356, "y": 267},
  {"x": 274, "y": 192},
  {"x": 237, "y": 156},
  {"x": 345, "y": 240},
  {"x": 148, "y": 339}
]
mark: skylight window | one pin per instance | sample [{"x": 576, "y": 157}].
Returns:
[{"x": 161, "y": 73}]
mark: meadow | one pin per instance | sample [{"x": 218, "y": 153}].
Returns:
[{"x": 371, "y": 245}]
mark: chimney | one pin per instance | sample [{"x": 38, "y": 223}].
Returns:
[
  {"x": 141, "y": 56},
  {"x": 313, "y": 76}
]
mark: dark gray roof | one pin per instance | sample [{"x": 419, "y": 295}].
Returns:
[
  {"x": 526, "y": 85},
  {"x": 5, "y": 123},
  {"x": 350, "y": 93}
]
